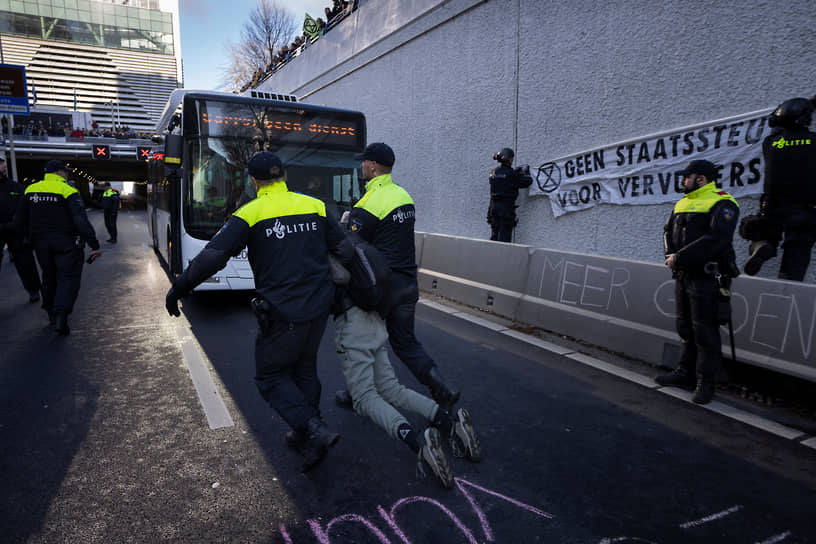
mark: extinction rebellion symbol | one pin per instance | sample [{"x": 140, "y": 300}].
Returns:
[{"x": 548, "y": 177}]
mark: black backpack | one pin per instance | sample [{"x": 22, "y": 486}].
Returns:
[{"x": 370, "y": 276}]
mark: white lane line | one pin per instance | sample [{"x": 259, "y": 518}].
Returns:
[
  {"x": 437, "y": 306},
  {"x": 646, "y": 381},
  {"x": 712, "y": 517},
  {"x": 211, "y": 401},
  {"x": 492, "y": 325},
  {"x": 810, "y": 443},
  {"x": 543, "y": 344},
  {"x": 612, "y": 369},
  {"x": 776, "y": 538}
]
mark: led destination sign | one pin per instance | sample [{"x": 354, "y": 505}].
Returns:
[{"x": 223, "y": 119}]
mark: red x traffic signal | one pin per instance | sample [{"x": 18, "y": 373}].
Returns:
[
  {"x": 101, "y": 152},
  {"x": 142, "y": 153}
]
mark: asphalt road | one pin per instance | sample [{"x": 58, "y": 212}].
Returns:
[{"x": 140, "y": 427}]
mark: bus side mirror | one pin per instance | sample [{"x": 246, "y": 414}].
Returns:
[{"x": 173, "y": 145}]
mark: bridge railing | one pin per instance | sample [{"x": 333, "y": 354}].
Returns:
[{"x": 623, "y": 305}]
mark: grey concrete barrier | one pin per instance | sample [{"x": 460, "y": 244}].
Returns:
[{"x": 623, "y": 305}]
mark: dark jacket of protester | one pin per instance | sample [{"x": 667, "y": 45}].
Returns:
[{"x": 700, "y": 232}]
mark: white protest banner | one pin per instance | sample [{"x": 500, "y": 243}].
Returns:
[{"x": 644, "y": 170}]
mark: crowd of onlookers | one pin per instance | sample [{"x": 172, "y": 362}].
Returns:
[
  {"x": 339, "y": 11},
  {"x": 41, "y": 130}
]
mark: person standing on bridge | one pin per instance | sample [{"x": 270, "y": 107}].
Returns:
[
  {"x": 505, "y": 183},
  {"x": 385, "y": 217},
  {"x": 110, "y": 209},
  {"x": 11, "y": 193},
  {"x": 52, "y": 215},
  {"x": 289, "y": 238},
  {"x": 788, "y": 203},
  {"x": 698, "y": 248}
]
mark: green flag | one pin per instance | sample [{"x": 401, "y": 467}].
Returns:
[{"x": 310, "y": 26}]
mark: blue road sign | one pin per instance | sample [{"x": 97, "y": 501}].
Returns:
[{"x": 13, "y": 89}]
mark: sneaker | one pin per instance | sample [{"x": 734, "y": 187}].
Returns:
[
  {"x": 431, "y": 456},
  {"x": 678, "y": 378},
  {"x": 761, "y": 253},
  {"x": 463, "y": 440}
]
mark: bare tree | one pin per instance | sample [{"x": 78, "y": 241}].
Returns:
[{"x": 269, "y": 28}]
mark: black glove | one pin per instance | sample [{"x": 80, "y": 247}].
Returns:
[{"x": 171, "y": 302}]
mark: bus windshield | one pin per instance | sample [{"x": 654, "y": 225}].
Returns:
[{"x": 316, "y": 148}]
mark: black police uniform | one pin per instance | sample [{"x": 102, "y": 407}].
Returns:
[
  {"x": 385, "y": 218},
  {"x": 11, "y": 194},
  {"x": 700, "y": 232},
  {"x": 288, "y": 237},
  {"x": 110, "y": 209},
  {"x": 505, "y": 183},
  {"x": 788, "y": 204},
  {"x": 52, "y": 214}
]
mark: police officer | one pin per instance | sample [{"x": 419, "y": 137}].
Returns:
[
  {"x": 288, "y": 236},
  {"x": 11, "y": 193},
  {"x": 110, "y": 209},
  {"x": 385, "y": 217},
  {"x": 697, "y": 241},
  {"x": 505, "y": 183},
  {"x": 52, "y": 215},
  {"x": 788, "y": 203}
]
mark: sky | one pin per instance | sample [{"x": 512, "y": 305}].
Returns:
[{"x": 207, "y": 25}]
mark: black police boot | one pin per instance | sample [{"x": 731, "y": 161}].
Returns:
[
  {"x": 443, "y": 396},
  {"x": 296, "y": 440},
  {"x": 320, "y": 439},
  {"x": 61, "y": 324},
  {"x": 343, "y": 398},
  {"x": 760, "y": 252},
  {"x": 704, "y": 391},
  {"x": 679, "y": 377}
]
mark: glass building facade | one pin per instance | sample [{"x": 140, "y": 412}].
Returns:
[{"x": 134, "y": 25}]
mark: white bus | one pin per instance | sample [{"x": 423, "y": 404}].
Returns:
[{"x": 198, "y": 179}]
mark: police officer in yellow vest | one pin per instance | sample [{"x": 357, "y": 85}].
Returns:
[
  {"x": 52, "y": 215},
  {"x": 110, "y": 209},
  {"x": 698, "y": 247},
  {"x": 289, "y": 239},
  {"x": 385, "y": 217}
]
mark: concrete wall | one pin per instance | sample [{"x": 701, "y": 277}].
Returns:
[
  {"x": 624, "y": 305},
  {"x": 448, "y": 82}
]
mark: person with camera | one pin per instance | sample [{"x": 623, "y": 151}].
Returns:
[
  {"x": 288, "y": 237},
  {"x": 505, "y": 182},
  {"x": 788, "y": 203},
  {"x": 697, "y": 241},
  {"x": 52, "y": 215}
]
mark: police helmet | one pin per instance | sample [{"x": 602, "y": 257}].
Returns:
[
  {"x": 792, "y": 113},
  {"x": 505, "y": 156}
]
